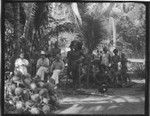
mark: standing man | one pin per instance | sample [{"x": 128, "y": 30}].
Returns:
[
  {"x": 75, "y": 57},
  {"x": 115, "y": 67},
  {"x": 115, "y": 60},
  {"x": 69, "y": 60},
  {"x": 124, "y": 67},
  {"x": 105, "y": 58},
  {"x": 42, "y": 66}
]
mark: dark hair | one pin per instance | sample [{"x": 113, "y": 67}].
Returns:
[
  {"x": 21, "y": 53},
  {"x": 105, "y": 48},
  {"x": 115, "y": 51},
  {"x": 123, "y": 55}
]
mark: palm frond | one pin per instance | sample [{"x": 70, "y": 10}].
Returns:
[{"x": 93, "y": 32}]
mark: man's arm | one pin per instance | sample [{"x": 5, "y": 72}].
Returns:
[
  {"x": 52, "y": 67},
  {"x": 63, "y": 65}
]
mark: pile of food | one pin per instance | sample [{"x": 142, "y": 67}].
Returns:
[{"x": 26, "y": 95}]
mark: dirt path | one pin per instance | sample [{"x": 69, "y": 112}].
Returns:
[{"x": 116, "y": 101}]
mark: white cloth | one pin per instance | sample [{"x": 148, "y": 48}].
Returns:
[
  {"x": 55, "y": 75},
  {"x": 20, "y": 65},
  {"x": 41, "y": 71}
]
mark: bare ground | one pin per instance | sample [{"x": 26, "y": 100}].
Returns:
[{"x": 129, "y": 100}]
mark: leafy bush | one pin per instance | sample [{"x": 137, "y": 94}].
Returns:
[{"x": 139, "y": 71}]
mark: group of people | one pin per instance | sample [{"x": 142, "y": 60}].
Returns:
[
  {"x": 115, "y": 62},
  {"x": 43, "y": 67},
  {"x": 74, "y": 57}
]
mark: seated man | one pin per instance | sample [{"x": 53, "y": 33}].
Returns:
[
  {"x": 56, "y": 67},
  {"x": 42, "y": 66},
  {"x": 21, "y": 65}
]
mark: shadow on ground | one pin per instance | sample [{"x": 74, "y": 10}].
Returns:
[
  {"x": 116, "y": 101},
  {"x": 108, "y": 105}
]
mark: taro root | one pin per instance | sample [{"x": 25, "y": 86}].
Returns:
[{"x": 18, "y": 91}]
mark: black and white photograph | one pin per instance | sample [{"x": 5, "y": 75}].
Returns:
[{"x": 75, "y": 58}]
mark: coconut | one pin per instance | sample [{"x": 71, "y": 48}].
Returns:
[
  {"x": 41, "y": 84},
  {"x": 15, "y": 78},
  {"x": 35, "y": 97},
  {"x": 13, "y": 87},
  {"x": 53, "y": 98},
  {"x": 19, "y": 105},
  {"x": 46, "y": 109},
  {"x": 16, "y": 98},
  {"x": 26, "y": 95},
  {"x": 27, "y": 81},
  {"x": 43, "y": 92},
  {"x": 34, "y": 110},
  {"x": 45, "y": 100},
  {"x": 18, "y": 91},
  {"x": 28, "y": 103},
  {"x": 36, "y": 90},
  {"x": 33, "y": 86}
]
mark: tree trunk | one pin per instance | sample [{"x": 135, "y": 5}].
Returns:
[
  {"x": 114, "y": 32},
  {"x": 16, "y": 10}
]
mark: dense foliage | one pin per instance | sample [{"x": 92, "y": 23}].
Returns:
[{"x": 34, "y": 26}]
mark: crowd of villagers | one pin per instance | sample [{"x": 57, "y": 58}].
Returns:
[{"x": 51, "y": 64}]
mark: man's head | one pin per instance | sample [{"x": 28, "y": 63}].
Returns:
[
  {"x": 43, "y": 54},
  {"x": 21, "y": 55},
  {"x": 105, "y": 49},
  {"x": 58, "y": 56}
]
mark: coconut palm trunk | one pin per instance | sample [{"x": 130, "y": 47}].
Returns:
[
  {"x": 113, "y": 31},
  {"x": 16, "y": 10}
]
